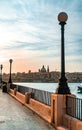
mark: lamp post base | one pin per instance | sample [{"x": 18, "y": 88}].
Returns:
[
  {"x": 63, "y": 86},
  {"x": 10, "y": 81}
]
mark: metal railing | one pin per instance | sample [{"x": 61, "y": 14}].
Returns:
[
  {"x": 74, "y": 107},
  {"x": 39, "y": 95}
]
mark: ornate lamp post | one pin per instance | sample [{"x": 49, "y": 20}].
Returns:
[
  {"x": 10, "y": 79},
  {"x": 1, "y": 72},
  {"x": 63, "y": 86}
]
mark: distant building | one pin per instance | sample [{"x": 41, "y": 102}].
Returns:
[
  {"x": 43, "y": 75},
  {"x": 48, "y": 69},
  {"x": 43, "y": 69}
]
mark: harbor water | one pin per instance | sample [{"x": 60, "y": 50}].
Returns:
[{"x": 51, "y": 87}]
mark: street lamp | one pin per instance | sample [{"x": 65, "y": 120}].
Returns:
[
  {"x": 63, "y": 86},
  {"x": 10, "y": 79},
  {"x": 1, "y": 72}
]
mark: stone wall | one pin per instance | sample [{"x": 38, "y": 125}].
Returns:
[
  {"x": 41, "y": 109},
  {"x": 72, "y": 123},
  {"x": 54, "y": 114}
]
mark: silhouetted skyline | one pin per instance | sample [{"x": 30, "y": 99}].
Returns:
[{"x": 30, "y": 34}]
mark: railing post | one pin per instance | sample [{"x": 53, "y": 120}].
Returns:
[
  {"x": 58, "y": 109},
  {"x": 15, "y": 90},
  {"x": 27, "y": 97}
]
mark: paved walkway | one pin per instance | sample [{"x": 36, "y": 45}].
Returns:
[{"x": 15, "y": 116}]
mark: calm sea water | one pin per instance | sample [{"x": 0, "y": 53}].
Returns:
[{"x": 51, "y": 87}]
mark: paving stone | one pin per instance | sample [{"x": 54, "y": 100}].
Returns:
[{"x": 15, "y": 116}]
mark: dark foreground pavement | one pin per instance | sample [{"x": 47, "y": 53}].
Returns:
[{"x": 15, "y": 116}]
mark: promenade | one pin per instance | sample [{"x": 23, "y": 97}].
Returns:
[{"x": 15, "y": 116}]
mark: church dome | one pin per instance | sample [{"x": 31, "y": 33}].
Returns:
[{"x": 43, "y": 69}]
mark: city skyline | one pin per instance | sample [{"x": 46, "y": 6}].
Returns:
[{"x": 30, "y": 35}]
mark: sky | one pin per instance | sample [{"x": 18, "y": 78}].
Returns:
[{"x": 30, "y": 34}]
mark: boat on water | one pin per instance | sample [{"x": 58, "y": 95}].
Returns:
[{"x": 79, "y": 90}]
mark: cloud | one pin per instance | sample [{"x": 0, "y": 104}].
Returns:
[{"x": 33, "y": 26}]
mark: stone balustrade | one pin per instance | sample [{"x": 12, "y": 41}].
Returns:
[{"x": 54, "y": 114}]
